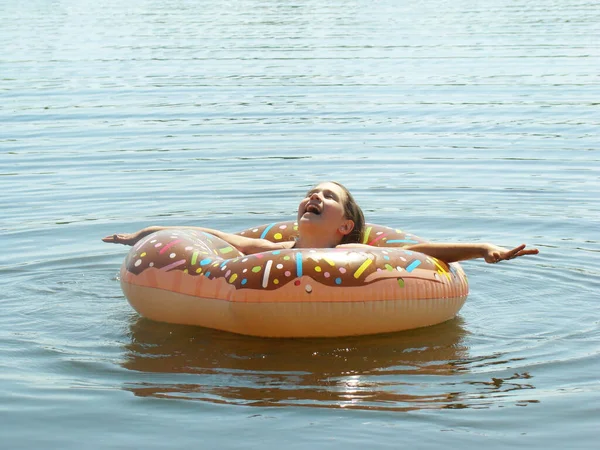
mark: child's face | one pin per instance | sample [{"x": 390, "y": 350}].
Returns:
[{"x": 323, "y": 205}]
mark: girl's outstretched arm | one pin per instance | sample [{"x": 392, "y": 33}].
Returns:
[
  {"x": 244, "y": 244},
  {"x": 461, "y": 252}
]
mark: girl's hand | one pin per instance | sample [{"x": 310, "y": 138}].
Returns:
[
  {"x": 493, "y": 253},
  {"x": 125, "y": 239}
]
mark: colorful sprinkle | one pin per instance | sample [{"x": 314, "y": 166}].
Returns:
[
  {"x": 264, "y": 233},
  {"x": 256, "y": 269},
  {"x": 366, "y": 235},
  {"x": 362, "y": 268},
  {"x": 173, "y": 265},
  {"x": 413, "y": 265},
  {"x": 169, "y": 245},
  {"x": 299, "y": 264},
  {"x": 380, "y": 236},
  {"x": 265, "y": 281}
]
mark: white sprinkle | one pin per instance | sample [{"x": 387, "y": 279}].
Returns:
[{"x": 266, "y": 274}]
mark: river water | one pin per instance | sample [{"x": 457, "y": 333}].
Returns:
[{"x": 458, "y": 121}]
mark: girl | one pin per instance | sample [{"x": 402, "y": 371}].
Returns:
[{"x": 328, "y": 217}]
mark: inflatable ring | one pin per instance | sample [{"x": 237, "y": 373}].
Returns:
[{"x": 189, "y": 277}]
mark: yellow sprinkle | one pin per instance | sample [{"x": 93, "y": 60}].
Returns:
[
  {"x": 233, "y": 278},
  {"x": 441, "y": 270},
  {"x": 366, "y": 235},
  {"x": 330, "y": 262},
  {"x": 199, "y": 270},
  {"x": 318, "y": 269},
  {"x": 275, "y": 281},
  {"x": 185, "y": 271},
  {"x": 286, "y": 258},
  {"x": 278, "y": 236},
  {"x": 142, "y": 255},
  {"x": 362, "y": 268}
]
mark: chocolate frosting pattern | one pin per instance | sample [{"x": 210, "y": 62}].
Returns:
[{"x": 200, "y": 254}]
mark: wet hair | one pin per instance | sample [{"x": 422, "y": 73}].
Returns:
[{"x": 353, "y": 212}]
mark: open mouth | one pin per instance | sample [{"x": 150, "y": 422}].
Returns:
[{"x": 314, "y": 209}]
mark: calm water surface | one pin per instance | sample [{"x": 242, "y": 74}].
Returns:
[{"x": 469, "y": 121}]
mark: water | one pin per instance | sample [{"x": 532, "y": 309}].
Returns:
[{"x": 468, "y": 121}]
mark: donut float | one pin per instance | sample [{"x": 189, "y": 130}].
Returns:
[{"x": 189, "y": 277}]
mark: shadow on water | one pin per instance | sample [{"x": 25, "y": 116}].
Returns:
[{"x": 400, "y": 371}]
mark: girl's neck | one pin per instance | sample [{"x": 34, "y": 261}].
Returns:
[{"x": 316, "y": 242}]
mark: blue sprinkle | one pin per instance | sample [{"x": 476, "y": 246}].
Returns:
[
  {"x": 338, "y": 281},
  {"x": 205, "y": 261},
  {"x": 264, "y": 233},
  {"x": 298, "y": 264},
  {"x": 244, "y": 281},
  {"x": 413, "y": 265}
]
